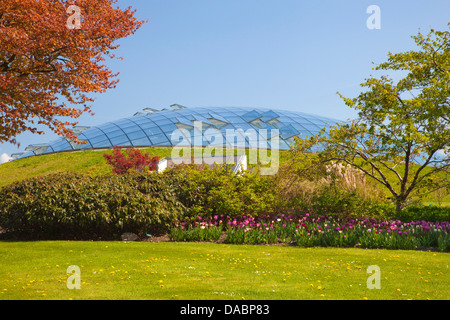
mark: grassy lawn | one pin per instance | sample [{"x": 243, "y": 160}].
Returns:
[{"x": 208, "y": 271}]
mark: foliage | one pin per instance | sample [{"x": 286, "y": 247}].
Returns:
[
  {"x": 209, "y": 191},
  {"x": 427, "y": 213},
  {"x": 198, "y": 233},
  {"x": 402, "y": 128},
  {"x": 131, "y": 160},
  {"x": 194, "y": 203},
  {"x": 46, "y": 66},
  {"x": 322, "y": 231},
  {"x": 77, "y": 206},
  {"x": 328, "y": 189}
]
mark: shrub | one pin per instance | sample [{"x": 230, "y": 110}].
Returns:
[
  {"x": 428, "y": 213},
  {"x": 206, "y": 191},
  {"x": 130, "y": 160},
  {"x": 76, "y": 206},
  {"x": 331, "y": 191}
]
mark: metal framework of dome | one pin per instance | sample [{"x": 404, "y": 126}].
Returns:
[{"x": 153, "y": 128}]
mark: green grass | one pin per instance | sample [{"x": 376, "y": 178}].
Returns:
[
  {"x": 208, "y": 271},
  {"x": 88, "y": 162},
  {"x": 434, "y": 203}
]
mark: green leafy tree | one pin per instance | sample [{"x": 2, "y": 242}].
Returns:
[{"x": 401, "y": 137}]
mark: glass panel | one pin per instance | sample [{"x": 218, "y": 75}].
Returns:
[
  {"x": 252, "y": 115},
  {"x": 189, "y": 117},
  {"x": 112, "y": 131},
  {"x": 123, "y": 123},
  {"x": 168, "y": 128},
  {"x": 102, "y": 144},
  {"x": 118, "y": 141},
  {"x": 156, "y": 116},
  {"x": 97, "y": 139},
  {"x": 141, "y": 142},
  {"x": 127, "y": 144},
  {"x": 235, "y": 119},
  {"x": 153, "y": 131},
  {"x": 136, "y": 135},
  {"x": 159, "y": 139},
  {"x": 62, "y": 145},
  {"x": 269, "y": 115},
  {"x": 147, "y": 125},
  {"x": 202, "y": 119},
  {"x": 128, "y": 127},
  {"x": 141, "y": 120},
  {"x": 116, "y": 134},
  {"x": 213, "y": 115},
  {"x": 163, "y": 122},
  {"x": 93, "y": 133}
]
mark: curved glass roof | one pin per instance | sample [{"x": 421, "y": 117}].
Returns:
[{"x": 193, "y": 126}]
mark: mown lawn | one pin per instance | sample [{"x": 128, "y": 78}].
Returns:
[{"x": 209, "y": 271}]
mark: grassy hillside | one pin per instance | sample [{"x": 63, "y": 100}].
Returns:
[{"x": 89, "y": 162}]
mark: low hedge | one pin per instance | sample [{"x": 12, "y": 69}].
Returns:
[
  {"x": 427, "y": 213},
  {"x": 78, "y": 206}
]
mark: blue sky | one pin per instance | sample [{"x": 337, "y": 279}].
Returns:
[{"x": 288, "y": 54}]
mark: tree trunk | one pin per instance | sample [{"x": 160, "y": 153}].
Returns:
[{"x": 400, "y": 205}]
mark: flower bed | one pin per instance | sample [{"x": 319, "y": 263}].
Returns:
[{"x": 324, "y": 231}]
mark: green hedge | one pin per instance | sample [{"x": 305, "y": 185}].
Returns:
[
  {"x": 77, "y": 206},
  {"x": 427, "y": 213}
]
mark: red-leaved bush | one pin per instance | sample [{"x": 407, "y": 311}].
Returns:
[{"x": 131, "y": 159}]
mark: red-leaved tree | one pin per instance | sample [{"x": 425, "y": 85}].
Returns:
[
  {"x": 51, "y": 59},
  {"x": 131, "y": 159}
]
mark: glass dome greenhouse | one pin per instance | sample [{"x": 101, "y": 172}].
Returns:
[{"x": 167, "y": 127}]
